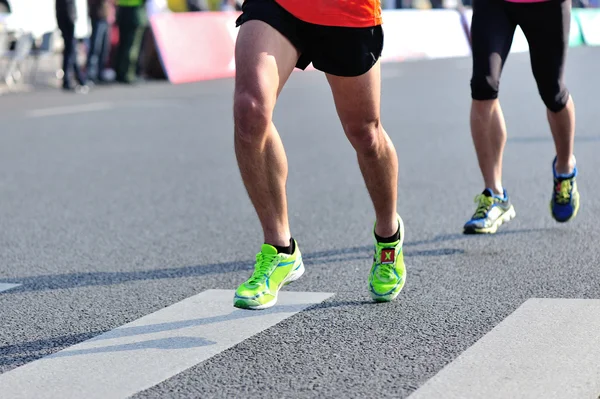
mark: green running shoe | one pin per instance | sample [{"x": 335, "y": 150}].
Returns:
[
  {"x": 388, "y": 273},
  {"x": 271, "y": 272},
  {"x": 492, "y": 211}
]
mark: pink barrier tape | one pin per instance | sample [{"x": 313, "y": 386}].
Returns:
[{"x": 196, "y": 46}]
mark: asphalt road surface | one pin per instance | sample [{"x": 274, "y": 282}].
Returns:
[{"x": 126, "y": 206}]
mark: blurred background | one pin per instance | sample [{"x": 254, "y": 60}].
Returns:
[{"x": 103, "y": 48}]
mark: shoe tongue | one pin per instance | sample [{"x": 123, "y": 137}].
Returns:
[
  {"x": 268, "y": 249},
  {"x": 488, "y": 193}
]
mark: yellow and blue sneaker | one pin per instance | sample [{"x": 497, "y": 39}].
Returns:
[
  {"x": 388, "y": 272},
  {"x": 492, "y": 211},
  {"x": 272, "y": 271},
  {"x": 564, "y": 204}
]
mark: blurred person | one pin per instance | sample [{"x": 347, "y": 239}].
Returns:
[
  {"x": 4, "y": 7},
  {"x": 345, "y": 42},
  {"x": 132, "y": 21},
  {"x": 231, "y": 5},
  {"x": 99, "y": 41},
  {"x": 156, "y": 7},
  {"x": 149, "y": 66},
  {"x": 66, "y": 16},
  {"x": 546, "y": 24},
  {"x": 194, "y": 6}
]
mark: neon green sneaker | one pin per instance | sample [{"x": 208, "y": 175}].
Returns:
[
  {"x": 388, "y": 273},
  {"x": 271, "y": 272}
]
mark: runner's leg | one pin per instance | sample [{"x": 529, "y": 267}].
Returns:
[
  {"x": 492, "y": 32},
  {"x": 264, "y": 61},
  {"x": 547, "y": 28},
  {"x": 357, "y": 100}
]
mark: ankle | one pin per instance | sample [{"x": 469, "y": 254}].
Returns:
[
  {"x": 278, "y": 240},
  {"x": 387, "y": 231},
  {"x": 565, "y": 166},
  {"x": 496, "y": 189},
  {"x": 285, "y": 249}
]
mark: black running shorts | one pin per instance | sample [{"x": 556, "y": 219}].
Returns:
[{"x": 338, "y": 51}]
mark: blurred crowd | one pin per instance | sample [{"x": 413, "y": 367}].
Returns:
[
  {"x": 135, "y": 57},
  {"x": 116, "y": 45}
]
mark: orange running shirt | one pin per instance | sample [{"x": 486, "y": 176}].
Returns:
[{"x": 348, "y": 13}]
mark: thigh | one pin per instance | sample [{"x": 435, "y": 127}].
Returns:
[
  {"x": 547, "y": 28},
  {"x": 357, "y": 99},
  {"x": 344, "y": 52},
  {"x": 264, "y": 60},
  {"x": 492, "y": 31}
]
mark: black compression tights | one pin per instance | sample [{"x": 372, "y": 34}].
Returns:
[{"x": 546, "y": 26}]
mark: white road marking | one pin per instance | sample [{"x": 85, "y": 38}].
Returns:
[
  {"x": 7, "y": 286},
  {"x": 147, "y": 351},
  {"x": 70, "y": 109},
  {"x": 547, "y": 348}
]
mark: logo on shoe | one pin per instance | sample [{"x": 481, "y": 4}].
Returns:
[{"x": 388, "y": 256}]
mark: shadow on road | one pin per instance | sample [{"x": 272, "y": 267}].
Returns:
[
  {"x": 542, "y": 139},
  {"x": 75, "y": 280}
]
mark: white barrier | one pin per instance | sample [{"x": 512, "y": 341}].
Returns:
[
  {"x": 39, "y": 17},
  {"x": 423, "y": 34}
]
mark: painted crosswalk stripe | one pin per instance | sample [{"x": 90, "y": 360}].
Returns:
[
  {"x": 7, "y": 286},
  {"x": 547, "y": 348},
  {"x": 147, "y": 351}
]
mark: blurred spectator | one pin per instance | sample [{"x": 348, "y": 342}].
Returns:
[
  {"x": 194, "y": 5},
  {"x": 132, "y": 21},
  {"x": 66, "y": 16},
  {"x": 100, "y": 40},
  {"x": 231, "y": 5},
  {"x": 4, "y": 7}
]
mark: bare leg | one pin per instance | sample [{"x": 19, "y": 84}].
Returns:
[
  {"x": 488, "y": 130},
  {"x": 264, "y": 61},
  {"x": 357, "y": 101},
  {"x": 562, "y": 125}
]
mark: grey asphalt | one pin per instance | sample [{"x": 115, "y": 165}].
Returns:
[{"x": 108, "y": 215}]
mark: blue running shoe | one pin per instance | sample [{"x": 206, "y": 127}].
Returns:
[
  {"x": 492, "y": 211},
  {"x": 565, "y": 196}
]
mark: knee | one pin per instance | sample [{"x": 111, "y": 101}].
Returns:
[
  {"x": 365, "y": 136},
  {"x": 251, "y": 117},
  {"x": 484, "y": 87},
  {"x": 555, "y": 97}
]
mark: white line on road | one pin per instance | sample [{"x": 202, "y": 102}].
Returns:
[
  {"x": 147, "y": 351},
  {"x": 70, "y": 109},
  {"x": 548, "y": 348},
  {"x": 7, "y": 286}
]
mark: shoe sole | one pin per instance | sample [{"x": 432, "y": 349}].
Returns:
[
  {"x": 506, "y": 217},
  {"x": 290, "y": 278}
]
